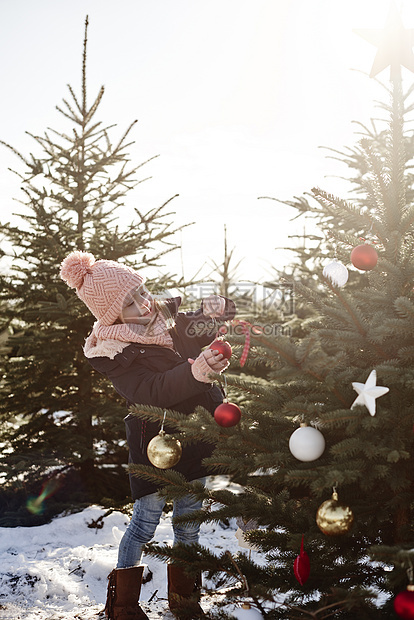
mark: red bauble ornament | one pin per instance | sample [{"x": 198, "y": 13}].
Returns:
[
  {"x": 404, "y": 603},
  {"x": 364, "y": 257},
  {"x": 222, "y": 346},
  {"x": 227, "y": 415},
  {"x": 301, "y": 566}
]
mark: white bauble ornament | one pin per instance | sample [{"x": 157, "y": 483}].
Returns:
[
  {"x": 246, "y": 612},
  {"x": 336, "y": 272},
  {"x": 307, "y": 443}
]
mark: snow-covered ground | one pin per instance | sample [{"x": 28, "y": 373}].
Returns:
[{"x": 58, "y": 571}]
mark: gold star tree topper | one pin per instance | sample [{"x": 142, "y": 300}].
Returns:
[{"x": 394, "y": 44}]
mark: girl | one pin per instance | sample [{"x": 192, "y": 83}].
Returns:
[{"x": 152, "y": 354}]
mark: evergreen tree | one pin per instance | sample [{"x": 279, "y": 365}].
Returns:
[
  {"x": 368, "y": 460},
  {"x": 62, "y": 425},
  {"x": 226, "y": 270}
]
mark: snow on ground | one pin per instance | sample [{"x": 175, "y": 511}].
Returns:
[{"x": 58, "y": 571}]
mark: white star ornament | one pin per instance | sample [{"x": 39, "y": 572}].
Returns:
[
  {"x": 394, "y": 45},
  {"x": 368, "y": 392}
]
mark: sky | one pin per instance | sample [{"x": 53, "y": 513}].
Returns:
[{"x": 236, "y": 97}]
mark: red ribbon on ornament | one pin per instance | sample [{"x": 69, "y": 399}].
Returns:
[
  {"x": 246, "y": 347},
  {"x": 245, "y": 325}
]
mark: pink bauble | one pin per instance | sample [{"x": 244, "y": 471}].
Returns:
[{"x": 364, "y": 257}]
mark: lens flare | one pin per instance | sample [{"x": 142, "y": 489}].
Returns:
[{"x": 36, "y": 505}]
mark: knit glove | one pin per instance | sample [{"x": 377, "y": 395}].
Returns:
[
  {"x": 201, "y": 369},
  {"x": 214, "y": 306},
  {"x": 206, "y": 363}
]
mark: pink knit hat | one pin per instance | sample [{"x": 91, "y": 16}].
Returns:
[{"x": 102, "y": 285}]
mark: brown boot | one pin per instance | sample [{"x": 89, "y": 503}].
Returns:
[
  {"x": 124, "y": 587},
  {"x": 184, "y": 593}
]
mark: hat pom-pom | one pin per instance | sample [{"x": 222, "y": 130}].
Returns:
[{"x": 75, "y": 267}]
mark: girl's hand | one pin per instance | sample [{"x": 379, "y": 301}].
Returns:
[{"x": 207, "y": 362}]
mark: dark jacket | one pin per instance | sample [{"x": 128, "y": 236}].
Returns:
[{"x": 157, "y": 376}]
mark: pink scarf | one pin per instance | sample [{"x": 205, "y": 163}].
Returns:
[{"x": 109, "y": 340}]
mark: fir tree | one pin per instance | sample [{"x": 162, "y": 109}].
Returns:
[
  {"x": 226, "y": 270},
  {"x": 369, "y": 459},
  {"x": 56, "y": 414}
]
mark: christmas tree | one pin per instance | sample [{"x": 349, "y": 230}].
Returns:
[
  {"x": 61, "y": 424},
  {"x": 324, "y": 451}
]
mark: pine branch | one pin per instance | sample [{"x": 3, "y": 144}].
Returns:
[
  {"x": 74, "y": 98},
  {"x": 95, "y": 105}
]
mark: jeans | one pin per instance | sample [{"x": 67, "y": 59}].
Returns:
[{"x": 145, "y": 518}]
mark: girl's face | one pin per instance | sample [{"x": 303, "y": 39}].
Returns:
[{"x": 138, "y": 306}]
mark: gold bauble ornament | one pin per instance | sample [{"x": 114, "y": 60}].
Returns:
[
  {"x": 164, "y": 450},
  {"x": 333, "y": 518}
]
